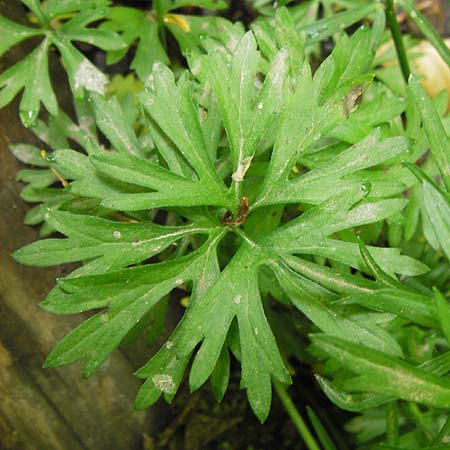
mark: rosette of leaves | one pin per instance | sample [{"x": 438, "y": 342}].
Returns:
[{"x": 267, "y": 201}]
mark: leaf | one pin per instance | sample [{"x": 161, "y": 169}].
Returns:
[
  {"x": 436, "y": 134},
  {"x": 351, "y": 402},
  {"x": 28, "y": 154},
  {"x": 321, "y": 29},
  {"x": 13, "y": 33},
  {"x": 115, "y": 244},
  {"x": 170, "y": 189},
  {"x": 110, "y": 118},
  {"x": 355, "y": 402},
  {"x": 321, "y": 183},
  {"x": 330, "y": 321},
  {"x": 36, "y": 84},
  {"x": 234, "y": 294},
  {"x": 55, "y": 8},
  {"x": 82, "y": 73},
  {"x": 172, "y": 108},
  {"x": 169, "y": 5},
  {"x": 235, "y": 97},
  {"x": 385, "y": 374},
  {"x": 97, "y": 337},
  {"x": 292, "y": 138},
  {"x": 443, "y": 312},
  {"x": 411, "y": 305},
  {"x": 134, "y": 25},
  {"x": 426, "y": 29},
  {"x": 437, "y": 209},
  {"x": 335, "y": 214}
]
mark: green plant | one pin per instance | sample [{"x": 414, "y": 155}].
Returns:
[{"x": 252, "y": 183}]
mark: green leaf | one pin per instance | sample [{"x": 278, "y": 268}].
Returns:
[
  {"x": 443, "y": 312},
  {"x": 97, "y": 337},
  {"x": 330, "y": 321},
  {"x": 173, "y": 109},
  {"x": 55, "y": 8},
  {"x": 135, "y": 25},
  {"x": 110, "y": 118},
  {"x": 169, "y": 189},
  {"x": 28, "y": 154},
  {"x": 426, "y": 29},
  {"x": 321, "y": 183},
  {"x": 384, "y": 374},
  {"x": 115, "y": 244},
  {"x": 436, "y": 134},
  {"x": 437, "y": 209},
  {"x": 235, "y": 97},
  {"x": 82, "y": 73},
  {"x": 351, "y": 402},
  {"x": 411, "y": 305},
  {"x": 322, "y": 29},
  {"x": 335, "y": 214},
  {"x": 169, "y": 5},
  {"x": 76, "y": 29},
  {"x": 36, "y": 84},
  {"x": 12, "y": 33},
  {"x": 221, "y": 374},
  {"x": 234, "y": 294}
]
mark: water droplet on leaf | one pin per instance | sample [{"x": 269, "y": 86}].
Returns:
[{"x": 28, "y": 118}]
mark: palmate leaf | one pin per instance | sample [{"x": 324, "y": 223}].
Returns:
[
  {"x": 134, "y": 25},
  {"x": 183, "y": 174},
  {"x": 36, "y": 84},
  {"x": 101, "y": 334},
  {"x": 31, "y": 73}
]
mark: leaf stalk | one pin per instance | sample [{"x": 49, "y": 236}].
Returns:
[
  {"x": 295, "y": 416},
  {"x": 391, "y": 20}
]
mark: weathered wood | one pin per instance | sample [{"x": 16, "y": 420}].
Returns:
[{"x": 51, "y": 409}]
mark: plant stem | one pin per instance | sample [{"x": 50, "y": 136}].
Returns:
[
  {"x": 445, "y": 430},
  {"x": 392, "y": 423},
  {"x": 295, "y": 416},
  {"x": 391, "y": 20},
  {"x": 159, "y": 11}
]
